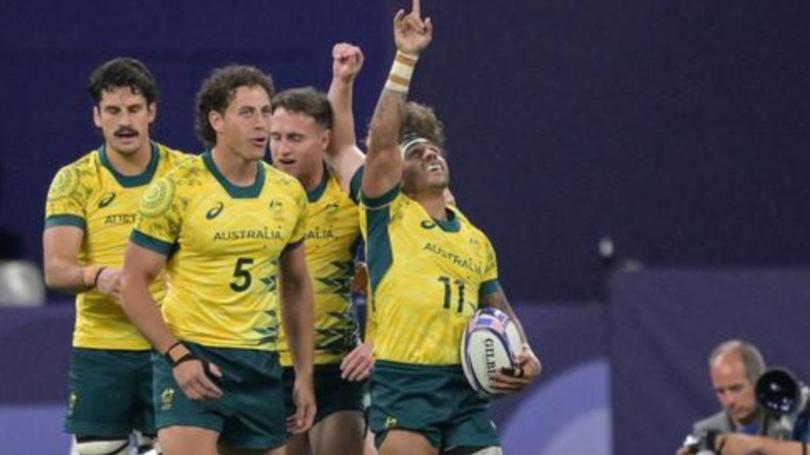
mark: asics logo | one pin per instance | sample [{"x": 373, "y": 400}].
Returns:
[
  {"x": 215, "y": 211},
  {"x": 106, "y": 200}
]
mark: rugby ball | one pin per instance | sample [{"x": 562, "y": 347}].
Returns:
[{"x": 490, "y": 342}]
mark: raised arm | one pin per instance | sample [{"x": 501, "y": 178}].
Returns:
[
  {"x": 343, "y": 155},
  {"x": 384, "y": 162}
]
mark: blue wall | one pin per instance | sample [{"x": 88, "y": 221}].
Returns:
[{"x": 677, "y": 128}]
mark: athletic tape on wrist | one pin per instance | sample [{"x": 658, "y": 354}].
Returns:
[{"x": 399, "y": 79}]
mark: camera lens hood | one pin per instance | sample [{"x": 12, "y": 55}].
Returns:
[{"x": 777, "y": 391}]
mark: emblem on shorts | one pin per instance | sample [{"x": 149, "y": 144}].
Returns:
[
  {"x": 72, "y": 403},
  {"x": 215, "y": 211},
  {"x": 166, "y": 399},
  {"x": 390, "y": 422},
  {"x": 106, "y": 200}
]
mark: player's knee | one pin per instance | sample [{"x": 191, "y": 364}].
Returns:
[{"x": 103, "y": 447}]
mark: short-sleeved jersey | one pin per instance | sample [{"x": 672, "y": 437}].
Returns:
[
  {"x": 425, "y": 277},
  {"x": 333, "y": 233},
  {"x": 91, "y": 195},
  {"x": 223, "y": 243}
]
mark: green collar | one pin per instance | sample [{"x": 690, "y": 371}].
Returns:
[
  {"x": 451, "y": 224},
  {"x": 130, "y": 181},
  {"x": 314, "y": 195},
  {"x": 236, "y": 192}
]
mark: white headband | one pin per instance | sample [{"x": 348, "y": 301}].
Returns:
[{"x": 410, "y": 142}]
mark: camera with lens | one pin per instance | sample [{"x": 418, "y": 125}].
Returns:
[
  {"x": 786, "y": 403},
  {"x": 779, "y": 392}
]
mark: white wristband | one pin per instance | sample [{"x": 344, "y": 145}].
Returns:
[{"x": 399, "y": 79}]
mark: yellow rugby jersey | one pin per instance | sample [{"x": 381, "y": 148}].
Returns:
[
  {"x": 425, "y": 278},
  {"x": 90, "y": 194},
  {"x": 332, "y": 236},
  {"x": 223, "y": 244}
]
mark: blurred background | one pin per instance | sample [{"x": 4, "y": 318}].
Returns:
[{"x": 640, "y": 166}]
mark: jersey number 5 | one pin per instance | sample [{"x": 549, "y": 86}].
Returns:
[{"x": 242, "y": 278}]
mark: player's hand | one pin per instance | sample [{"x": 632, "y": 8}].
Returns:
[
  {"x": 196, "y": 384},
  {"x": 682, "y": 451},
  {"x": 347, "y": 61},
  {"x": 304, "y": 398},
  {"x": 412, "y": 34},
  {"x": 109, "y": 283},
  {"x": 358, "y": 364},
  {"x": 527, "y": 368}
]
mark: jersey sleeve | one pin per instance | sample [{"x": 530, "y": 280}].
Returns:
[
  {"x": 355, "y": 183},
  {"x": 66, "y": 201},
  {"x": 160, "y": 216},
  {"x": 490, "y": 280},
  {"x": 300, "y": 228}
]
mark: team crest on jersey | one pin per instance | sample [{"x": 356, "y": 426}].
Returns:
[
  {"x": 158, "y": 198},
  {"x": 65, "y": 183},
  {"x": 277, "y": 208},
  {"x": 106, "y": 200},
  {"x": 215, "y": 211},
  {"x": 167, "y": 399},
  {"x": 331, "y": 211}
]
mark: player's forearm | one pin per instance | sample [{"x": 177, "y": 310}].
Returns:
[
  {"x": 297, "y": 314},
  {"x": 385, "y": 124},
  {"x": 68, "y": 276},
  {"x": 143, "y": 312},
  {"x": 340, "y": 96},
  {"x": 499, "y": 301}
]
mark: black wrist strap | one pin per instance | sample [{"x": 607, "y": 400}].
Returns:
[
  {"x": 169, "y": 349},
  {"x": 188, "y": 356},
  {"x": 98, "y": 274}
]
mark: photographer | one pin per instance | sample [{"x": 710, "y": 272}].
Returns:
[{"x": 742, "y": 427}]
